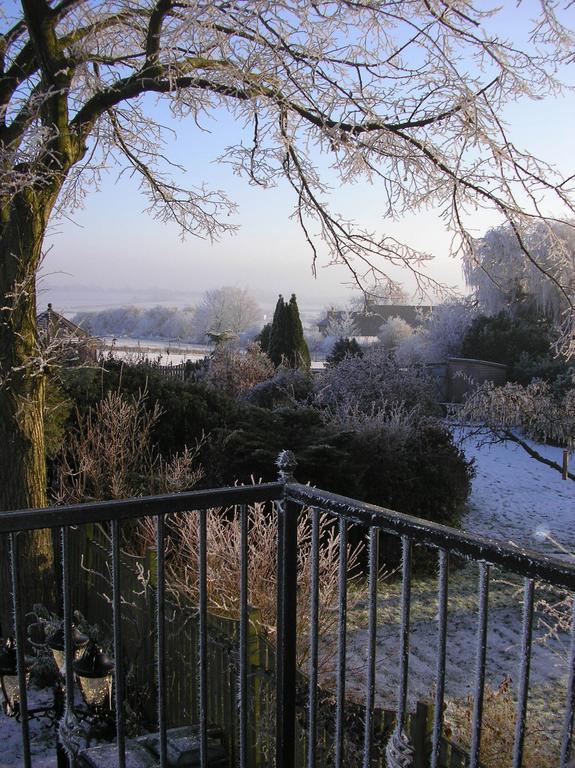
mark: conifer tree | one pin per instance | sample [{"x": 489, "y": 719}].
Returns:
[
  {"x": 277, "y": 342},
  {"x": 298, "y": 354},
  {"x": 264, "y": 337},
  {"x": 286, "y": 340}
]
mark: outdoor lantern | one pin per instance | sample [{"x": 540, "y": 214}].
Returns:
[
  {"x": 56, "y": 644},
  {"x": 9, "y": 677},
  {"x": 94, "y": 672}
]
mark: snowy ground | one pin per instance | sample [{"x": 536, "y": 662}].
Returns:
[
  {"x": 517, "y": 498},
  {"x": 42, "y": 736}
]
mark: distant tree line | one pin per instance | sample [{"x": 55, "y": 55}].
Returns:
[{"x": 227, "y": 310}]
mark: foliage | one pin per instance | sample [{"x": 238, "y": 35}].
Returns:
[
  {"x": 296, "y": 339},
  {"x": 441, "y": 336},
  {"x": 189, "y": 409},
  {"x": 393, "y": 331},
  {"x": 505, "y": 281},
  {"x": 341, "y": 349},
  {"x": 233, "y": 371},
  {"x": 74, "y": 98},
  {"x": 375, "y": 379},
  {"x": 552, "y": 369},
  {"x": 287, "y": 345},
  {"x": 288, "y": 386},
  {"x": 377, "y": 292},
  {"x": 505, "y": 339},
  {"x": 400, "y": 460},
  {"x": 263, "y": 337},
  {"x": 421, "y": 473},
  {"x": 223, "y": 567},
  {"x": 340, "y": 323},
  {"x": 156, "y": 322},
  {"x": 111, "y": 455},
  {"x": 498, "y": 730},
  {"x": 515, "y": 412}
]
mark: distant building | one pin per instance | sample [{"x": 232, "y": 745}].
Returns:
[
  {"x": 368, "y": 322},
  {"x": 70, "y": 342}
]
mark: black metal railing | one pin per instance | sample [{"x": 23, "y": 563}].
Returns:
[{"x": 291, "y": 500}]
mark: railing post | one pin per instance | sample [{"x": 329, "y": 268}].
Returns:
[
  {"x": 399, "y": 752},
  {"x": 286, "y": 619}
]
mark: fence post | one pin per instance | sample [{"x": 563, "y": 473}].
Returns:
[{"x": 286, "y": 619}]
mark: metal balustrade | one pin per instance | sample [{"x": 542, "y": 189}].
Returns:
[{"x": 291, "y": 499}]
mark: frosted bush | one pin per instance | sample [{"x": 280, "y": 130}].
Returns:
[
  {"x": 442, "y": 335},
  {"x": 235, "y": 371},
  {"x": 373, "y": 382},
  {"x": 393, "y": 331}
]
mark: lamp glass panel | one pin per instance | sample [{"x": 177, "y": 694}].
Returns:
[
  {"x": 96, "y": 690},
  {"x": 60, "y": 656},
  {"x": 12, "y": 688}
]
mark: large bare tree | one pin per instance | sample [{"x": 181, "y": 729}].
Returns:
[{"x": 409, "y": 93}]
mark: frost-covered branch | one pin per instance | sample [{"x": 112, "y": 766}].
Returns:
[{"x": 519, "y": 413}]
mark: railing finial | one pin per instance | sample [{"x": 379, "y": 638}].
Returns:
[{"x": 286, "y": 463}]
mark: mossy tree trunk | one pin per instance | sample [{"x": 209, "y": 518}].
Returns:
[{"x": 22, "y": 455}]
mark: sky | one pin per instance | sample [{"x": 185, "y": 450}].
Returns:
[{"x": 111, "y": 252}]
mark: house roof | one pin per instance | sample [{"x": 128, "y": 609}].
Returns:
[{"x": 53, "y": 323}]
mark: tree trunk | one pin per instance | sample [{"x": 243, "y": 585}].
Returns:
[{"x": 22, "y": 455}]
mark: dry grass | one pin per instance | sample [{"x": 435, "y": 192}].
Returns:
[
  {"x": 498, "y": 730},
  {"x": 223, "y": 567},
  {"x": 111, "y": 455}
]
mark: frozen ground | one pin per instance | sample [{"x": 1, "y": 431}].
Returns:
[
  {"x": 517, "y": 498},
  {"x": 42, "y": 737}
]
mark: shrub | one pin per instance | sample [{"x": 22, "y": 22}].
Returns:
[
  {"x": 400, "y": 461},
  {"x": 509, "y": 340},
  {"x": 288, "y": 386},
  {"x": 393, "y": 331},
  {"x": 369, "y": 382},
  {"x": 343, "y": 347},
  {"x": 111, "y": 455},
  {"x": 189, "y": 409},
  {"x": 426, "y": 476},
  {"x": 441, "y": 336},
  {"x": 223, "y": 567},
  {"x": 232, "y": 371}
]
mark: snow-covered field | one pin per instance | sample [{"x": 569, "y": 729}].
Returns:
[{"x": 514, "y": 498}]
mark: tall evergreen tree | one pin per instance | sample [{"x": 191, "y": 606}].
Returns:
[
  {"x": 277, "y": 338},
  {"x": 264, "y": 337},
  {"x": 298, "y": 351},
  {"x": 286, "y": 340}
]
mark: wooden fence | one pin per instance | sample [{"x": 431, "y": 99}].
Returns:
[
  {"x": 173, "y": 371},
  {"x": 91, "y": 597}
]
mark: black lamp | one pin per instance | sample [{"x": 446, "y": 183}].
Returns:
[
  {"x": 56, "y": 644},
  {"x": 94, "y": 671},
  {"x": 9, "y": 677}
]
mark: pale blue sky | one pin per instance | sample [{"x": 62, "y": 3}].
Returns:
[{"x": 111, "y": 243}]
